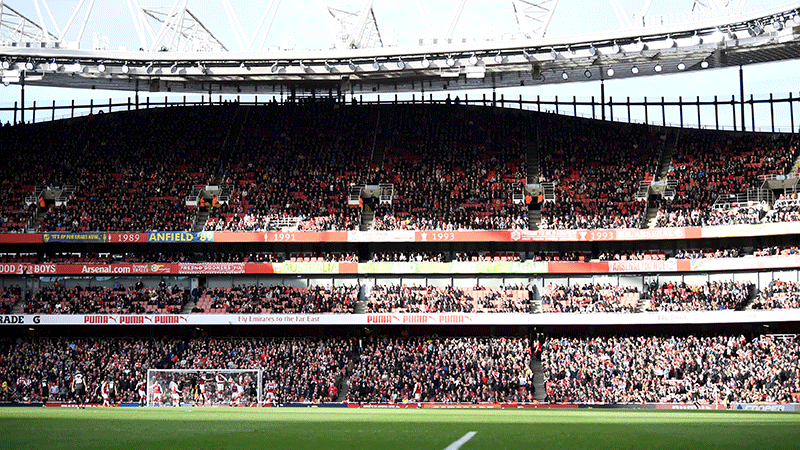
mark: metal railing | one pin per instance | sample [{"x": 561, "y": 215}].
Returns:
[{"x": 690, "y": 112}]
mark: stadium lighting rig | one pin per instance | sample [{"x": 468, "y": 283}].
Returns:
[{"x": 716, "y": 42}]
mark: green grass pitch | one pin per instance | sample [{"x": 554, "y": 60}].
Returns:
[{"x": 409, "y": 429}]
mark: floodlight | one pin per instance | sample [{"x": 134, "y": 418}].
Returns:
[
  {"x": 375, "y": 64},
  {"x": 426, "y": 62},
  {"x": 592, "y": 51},
  {"x": 639, "y": 45},
  {"x": 275, "y": 67},
  {"x": 473, "y": 60},
  {"x": 777, "y": 24},
  {"x": 101, "y": 67},
  {"x": 696, "y": 39},
  {"x": 450, "y": 61},
  {"x": 796, "y": 19},
  {"x": 28, "y": 65},
  {"x": 553, "y": 53},
  {"x": 400, "y": 64},
  {"x": 6, "y": 64},
  {"x": 53, "y": 65},
  {"x": 498, "y": 58},
  {"x": 149, "y": 68},
  {"x": 669, "y": 42},
  {"x": 125, "y": 68},
  {"x": 76, "y": 66},
  {"x": 351, "y": 65},
  {"x": 615, "y": 48}
]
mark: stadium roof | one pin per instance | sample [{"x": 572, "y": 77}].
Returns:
[{"x": 194, "y": 60}]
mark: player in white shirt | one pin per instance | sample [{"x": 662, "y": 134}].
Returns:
[
  {"x": 175, "y": 393},
  {"x": 104, "y": 393},
  {"x": 221, "y": 380}
]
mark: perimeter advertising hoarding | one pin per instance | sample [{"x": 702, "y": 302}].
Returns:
[
  {"x": 407, "y": 268},
  {"x": 180, "y": 236},
  {"x": 457, "y": 267},
  {"x": 405, "y": 319},
  {"x": 74, "y": 237},
  {"x": 623, "y": 234}
]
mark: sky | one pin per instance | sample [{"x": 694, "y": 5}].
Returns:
[{"x": 400, "y": 22}]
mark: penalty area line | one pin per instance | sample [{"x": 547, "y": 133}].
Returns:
[{"x": 457, "y": 444}]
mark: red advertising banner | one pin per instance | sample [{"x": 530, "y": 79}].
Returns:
[
  {"x": 336, "y": 268},
  {"x": 302, "y": 236},
  {"x": 622, "y": 234},
  {"x": 20, "y": 238},
  {"x": 127, "y": 237}
]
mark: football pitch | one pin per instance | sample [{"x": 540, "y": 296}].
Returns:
[{"x": 408, "y": 429}]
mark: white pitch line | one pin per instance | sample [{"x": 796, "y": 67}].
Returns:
[{"x": 457, "y": 444}]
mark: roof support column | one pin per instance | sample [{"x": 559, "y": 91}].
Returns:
[{"x": 741, "y": 94}]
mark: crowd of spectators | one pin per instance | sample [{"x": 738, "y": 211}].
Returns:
[
  {"x": 700, "y": 217},
  {"x": 638, "y": 255},
  {"x": 412, "y": 256},
  {"x": 778, "y": 295},
  {"x": 57, "y": 299},
  {"x": 123, "y": 179},
  {"x": 708, "y": 165},
  {"x": 784, "y": 210},
  {"x": 590, "y": 298},
  {"x": 691, "y": 369},
  {"x": 447, "y": 370},
  {"x": 292, "y": 167},
  {"x": 596, "y": 170},
  {"x": 709, "y": 296},
  {"x": 9, "y": 296},
  {"x": 431, "y": 299},
  {"x": 261, "y": 299},
  {"x": 295, "y": 370},
  {"x": 709, "y": 253},
  {"x": 777, "y": 251},
  {"x": 453, "y": 168}
]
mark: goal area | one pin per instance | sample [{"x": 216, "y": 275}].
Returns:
[{"x": 204, "y": 387}]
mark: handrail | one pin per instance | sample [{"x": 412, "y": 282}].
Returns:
[{"x": 571, "y": 107}]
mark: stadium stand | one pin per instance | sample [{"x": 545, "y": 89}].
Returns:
[
  {"x": 590, "y": 298},
  {"x": 636, "y": 369},
  {"x": 94, "y": 299},
  {"x": 711, "y": 296},
  {"x": 277, "y": 299},
  {"x": 778, "y": 295},
  {"x": 429, "y": 299},
  {"x": 447, "y": 370},
  {"x": 707, "y": 165},
  {"x": 596, "y": 172},
  {"x": 297, "y": 370}
]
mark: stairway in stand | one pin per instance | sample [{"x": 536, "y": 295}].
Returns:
[{"x": 538, "y": 381}]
